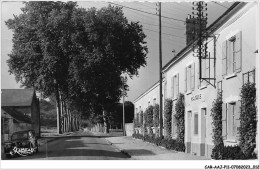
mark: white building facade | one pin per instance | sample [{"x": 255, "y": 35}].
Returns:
[{"x": 231, "y": 62}]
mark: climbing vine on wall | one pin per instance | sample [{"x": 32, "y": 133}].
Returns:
[
  {"x": 248, "y": 122},
  {"x": 156, "y": 115},
  {"x": 216, "y": 113},
  {"x": 180, "y": 119},
  {"x": 149, "y": 117},
  {"x": 168, "y": 117}
]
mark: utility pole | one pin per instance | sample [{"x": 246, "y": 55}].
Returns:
[
  {"x": 123, "y": 85},
  {"x": 160, "y": 70}
]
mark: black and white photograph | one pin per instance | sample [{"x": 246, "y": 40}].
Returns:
[{"x": 130, "y": 80}]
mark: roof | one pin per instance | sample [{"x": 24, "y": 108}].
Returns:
[
  {"x": 216, "y": 24},
  {"x": 19, "y": 116},
  {"x": 16, "y": 97},
  {"x": 149, "y": 89},
  {"x": 210, "y": 29}
]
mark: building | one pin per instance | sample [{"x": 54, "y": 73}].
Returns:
[
  {"x": 20, "y": 111},
  {"x": 230, "y": 62}
]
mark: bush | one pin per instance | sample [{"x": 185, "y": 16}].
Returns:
[
  {"x": 149, "y": 116},
  {"x": 248, "y": 122},
  {"x": 168, "y": 117},
  {"x": 231, "y": 153},
  {"x": 137, "y": 136},
  {"x": 141, "y": 119},
  {"x": 180, "y": 118},
  {"x": 216, "y": 113},
  {"x": 156, "y": 115},
  {"x": 168, "y": 143}
]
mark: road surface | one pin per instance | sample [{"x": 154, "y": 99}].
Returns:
[{"x": 85, "y": 147}]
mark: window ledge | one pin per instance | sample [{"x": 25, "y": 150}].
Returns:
[
  {"x": 230, "y": 141},
  {"x": 231, "y": 76},
  {"x": 203, "y": 87},
  {"x": 188, "y": 92},
  {"x": 174, "y": 99}
]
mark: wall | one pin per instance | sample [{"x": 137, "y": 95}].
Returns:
[
  {"x": 129, "y": 129},
  {"x": 232, "y": 84}
]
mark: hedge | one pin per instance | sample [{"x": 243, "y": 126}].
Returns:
[
  {"x": 170, "y": 144},
  {"x": 248, "y": 122},
  {"x": 168, "y": 117},
  {"x": 180, "y": 118}
]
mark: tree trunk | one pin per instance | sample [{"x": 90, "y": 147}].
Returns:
[
  {"x": 58, "y": 110},
  {"x": 106, "y": 129}
]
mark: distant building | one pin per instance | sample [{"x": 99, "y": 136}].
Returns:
[{"x": 20, "y": 110}]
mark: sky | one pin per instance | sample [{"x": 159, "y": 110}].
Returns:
[{"x": 173, "y": 35}]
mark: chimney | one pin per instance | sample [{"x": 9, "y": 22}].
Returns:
[{"x": 192, "y": 29}]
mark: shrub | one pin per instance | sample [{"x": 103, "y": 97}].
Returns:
[
  {"x": 156, "y": 115},
  {"x": 168, "y": 143},
  {"x": 168, "y": 117},
  {"x": 141, "y": 120},
  {"x": 248, "y": 122},
  {"x": 216, "y": 113},
  {"x": 149, "y": 115},
  {"x": 180, "y": 120},
  {"x": 137, "y": 136}
]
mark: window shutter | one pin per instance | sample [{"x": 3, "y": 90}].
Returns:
[
  {"x": 237, "y": 117},
  {"x": 238, "y": 49},
  {"x": 224, "y": 58},
  {"x": 198, "y": 75},
  {"x": 177, "y": 85},
  {"x": 193, "y": 76},
  {"x": 224, "y": 121},
  {"x": 185, "y": 80},
  {"x": 207, "y": 69},
  {"x": 172, "y": 92}
]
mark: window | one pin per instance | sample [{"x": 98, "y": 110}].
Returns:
[
  {"x": 196, "y": 124},
  {"x": 232, "y": 55},
  {"x": 190, "y": 78},
  {"x": 148, "y": 103},
  {"x": 230, "y": 120},
  {"x": 175, "y": 86},
  {"x": 154, "y": 101}
]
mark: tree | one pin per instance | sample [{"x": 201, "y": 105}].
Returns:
[{"x": 74, "y": 53}]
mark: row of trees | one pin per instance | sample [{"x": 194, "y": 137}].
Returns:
[{"x": 75, "y": 54}]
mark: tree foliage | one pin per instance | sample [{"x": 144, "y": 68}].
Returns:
[
  {"x": 216, "y": 113},
  {"x": 248, "y": 122},
  {"x": 156, "y": 115},
  {"x": 168, "y": 117},
  {"x": 81, "y": 52},
  {"x": 180, "y": 118}
]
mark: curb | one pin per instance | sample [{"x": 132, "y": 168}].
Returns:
[{"x": 120, "y": 150}]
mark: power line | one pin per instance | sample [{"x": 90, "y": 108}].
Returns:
[
  {"x": 220, "y": 5},
  {"x": 147, "y": 12},
  {"x": 157, "y": 25},
  {"x": 140, "y": 3},
  {"x": 154, "y": 20},
  {"x": 164, "y": 33}
]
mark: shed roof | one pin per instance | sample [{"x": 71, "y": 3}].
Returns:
[
  {"x": 16, "y": 97},
  {"x": 19, "y": 116}
]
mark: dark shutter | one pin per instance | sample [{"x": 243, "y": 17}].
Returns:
[
  {"x": 185, "y": 80},
  {"x": 224, "y": 121},
  {"x": 224, "y": 58},
  {"x": 238, "y": 49}
]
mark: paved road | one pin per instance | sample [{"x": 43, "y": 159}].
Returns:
[{"x": 85, "y": 147}]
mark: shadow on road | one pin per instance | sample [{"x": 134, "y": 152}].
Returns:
[
  {"x": 76, "y": 147},
  {"x": 139, "y": 152}
]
